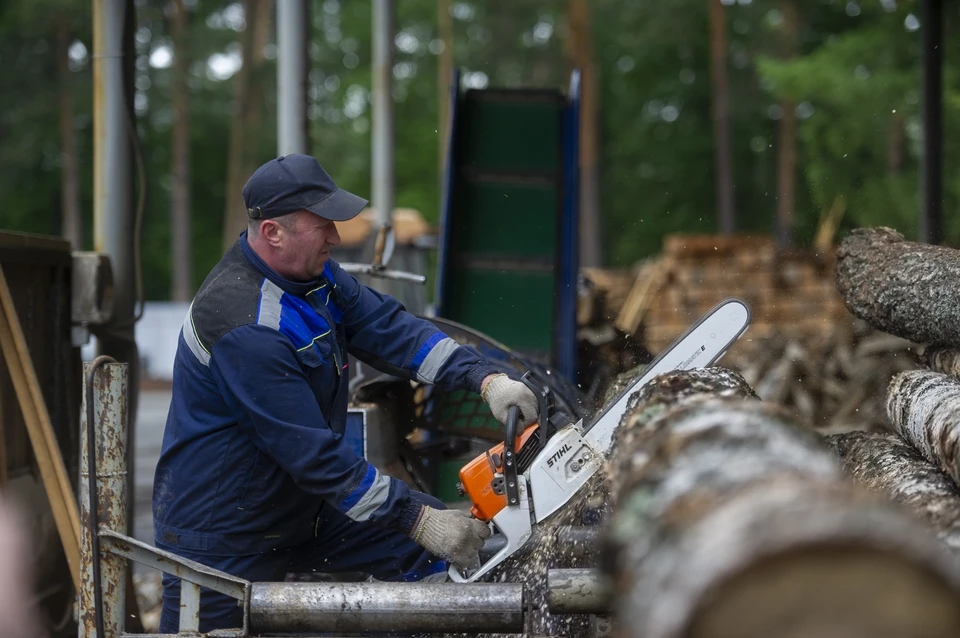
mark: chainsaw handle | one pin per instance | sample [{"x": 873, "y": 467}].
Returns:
[{"x": 509, "y": 455}]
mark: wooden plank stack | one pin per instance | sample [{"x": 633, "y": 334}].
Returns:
[{"x": 789, "y": 291}]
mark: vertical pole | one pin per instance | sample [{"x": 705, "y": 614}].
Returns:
[
  {"x": 383, "y": 179},
  {"x": 110, "y": 440},
  {"x": 931, "y": 215},
  {"x": 292, "y": 27},
  {"x": 721, "y": 116},
  {"x": 112, "y": 161}
]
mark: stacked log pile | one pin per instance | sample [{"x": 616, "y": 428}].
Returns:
[
  {"x": 803, "y": 349},
  {"x": 909, "y": 290},
  {"x": 730, "y": 519},
  {"x": 833, "y": 381}
]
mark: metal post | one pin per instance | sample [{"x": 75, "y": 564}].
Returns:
[
  {"x": 931, "y": 215},
  {"x": 113, "y": 214},
  {"x": 386, "y": 607},
  {"x": 292, "y": 23},
  {"x": 110, "y": 451},
  {"x": 383, "y": 182},
  {"x": 112, "y": 217}
]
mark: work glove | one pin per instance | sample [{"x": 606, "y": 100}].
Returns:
[
  {"x": 452, "y": 535},
  {"x": 501, "y": 392}
]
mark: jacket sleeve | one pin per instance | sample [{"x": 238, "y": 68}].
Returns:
[
  {"x": 382, "y": 333},
  {"x": 259, "y": 376}
]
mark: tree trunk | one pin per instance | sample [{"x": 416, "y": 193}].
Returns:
[
  {"x": 180, "y": 249},
  {"x": 887, "y": 464},
  {"x": 924, "y": 408},
  {"x": 901, "y": 287},
  {"x": 580, "y": 52},
  {"x": 721, "y": 116},
  {"x": 787, "y": 137},
  {"x": 71, "y": 221},
  {"x": 444, "y": 77},
  {"x": 244, "y": 130},
  {"x": 734, "y": 521}
]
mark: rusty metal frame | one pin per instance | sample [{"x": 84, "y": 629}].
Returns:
[{"x": 192, "y": 577}]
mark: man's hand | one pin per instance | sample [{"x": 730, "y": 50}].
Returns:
[
  {"x": 452, "y": 535},
  {"x": 500, "y": 392}
]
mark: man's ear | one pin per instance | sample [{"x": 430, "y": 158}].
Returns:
[{"x": 270, "y": 232}]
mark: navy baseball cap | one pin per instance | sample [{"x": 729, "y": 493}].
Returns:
[{"x": 296, "y": 182}]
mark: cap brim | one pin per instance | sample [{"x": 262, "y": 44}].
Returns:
[{"x": 339, "y": 207}]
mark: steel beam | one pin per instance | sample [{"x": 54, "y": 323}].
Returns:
[{"x": 381, "y": 607}]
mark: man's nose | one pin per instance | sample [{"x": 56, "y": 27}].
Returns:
[{"x": 334, "y": 237}]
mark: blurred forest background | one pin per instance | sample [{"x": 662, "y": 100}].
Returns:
[{"x": 823, "y": 108}]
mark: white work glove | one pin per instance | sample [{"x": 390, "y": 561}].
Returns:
[
  {"x": 501, "y": 392},
  {"x": 452, "y": 535}
]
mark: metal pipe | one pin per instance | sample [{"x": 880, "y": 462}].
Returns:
[
  {"x": 931, "y": 215},
  {"x": 579, "y": 541},
  {"x": 380, "y": 607},
  {"x": 292, "y": 23},
  {"x": 382, "y": 132},
  {"x": 112, "y": 161},
  {"x": 109, "y": 407},
  {"x": 577, "y": 591}
]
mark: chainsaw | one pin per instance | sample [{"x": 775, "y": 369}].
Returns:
[{"x": 517, "y": 484}]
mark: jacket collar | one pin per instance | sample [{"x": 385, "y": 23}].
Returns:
[{"x": 297, "y": 288}]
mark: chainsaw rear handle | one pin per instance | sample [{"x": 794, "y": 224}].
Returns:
[{"x": 510, "y": 455}]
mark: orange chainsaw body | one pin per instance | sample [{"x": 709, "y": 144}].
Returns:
[{"x": 478, "y": 478}]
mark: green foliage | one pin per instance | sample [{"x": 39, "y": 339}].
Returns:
[{"x": 855, "y": 84}]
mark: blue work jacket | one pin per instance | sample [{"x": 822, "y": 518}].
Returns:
[{"x": 254, "y": 443}]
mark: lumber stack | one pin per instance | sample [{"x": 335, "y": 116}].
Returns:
[
  {"x": 730, "y": 519},
  {"x": 791, "y": 291}
]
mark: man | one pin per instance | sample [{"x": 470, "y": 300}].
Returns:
[{"x": 254, "y": 478}]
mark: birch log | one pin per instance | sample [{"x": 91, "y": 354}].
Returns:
[
  {"x": 887, "y": 464},
  {"x": 737, "y": 522},
  {"x": 901, "y": 287},
  {"x": 924, "y": 408},
  {"x": 942, "y": 359}
]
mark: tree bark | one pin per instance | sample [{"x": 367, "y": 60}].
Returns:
[
  {"x": 889, "y": 465},
  {"x": 924, "y": 408},
  {"x": 901, "y": 287},
  {"x": 721, "y": 117},
  {"x": 736, "y": 521},
  {"x": 249, "y": 92},
  {"x": 580, "y": 52},
  {"x": 787, "y": 137},
  {"x": 444, "y": 77},
  {"x": 181, "y": 246},
  {"x": 71, "y": 226},
  {"x": 940, "y": 359}
]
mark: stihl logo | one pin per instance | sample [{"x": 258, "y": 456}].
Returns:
[
  {"x": 686, "y": 364},
  {"x": 559, "y": 453}
]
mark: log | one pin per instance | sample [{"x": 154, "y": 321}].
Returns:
[
  {"x": 942, "y": 359},
  {"x": 641, "y": 419},
  {"x": 889, "y": 465},
  {"x": 901, "y": 287},
  {"x": 924, "y": 408},
  {"x": 736, "y": 521}
]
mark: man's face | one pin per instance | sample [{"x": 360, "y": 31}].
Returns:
[{"x": 307, "y": 244}]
